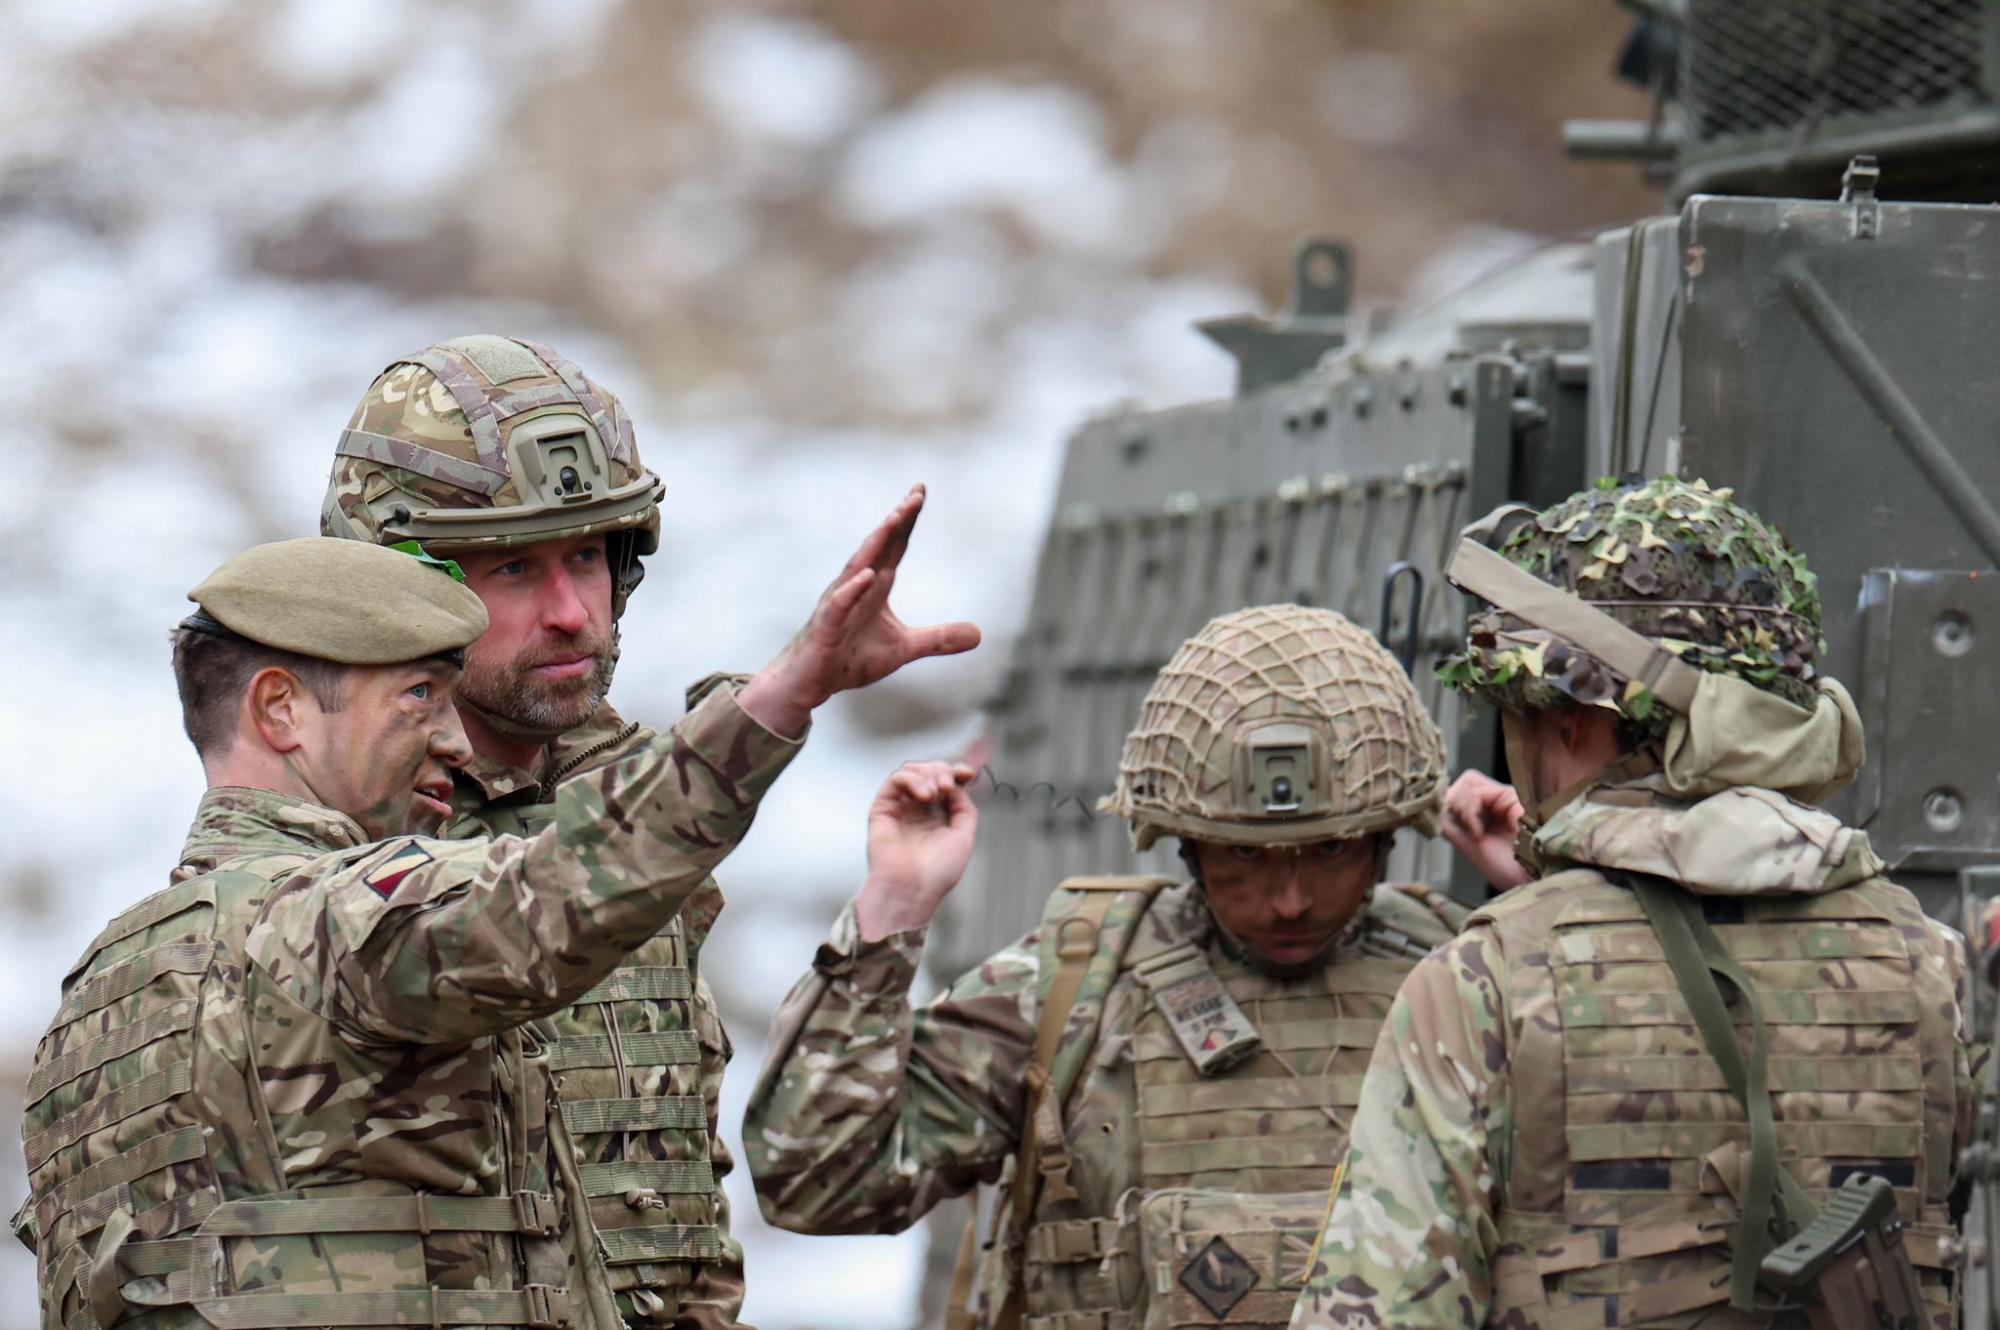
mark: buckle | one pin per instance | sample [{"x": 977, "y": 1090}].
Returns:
[
  {"x": 536, "y": 1213},
  {"x": 547, "y": 1306}
]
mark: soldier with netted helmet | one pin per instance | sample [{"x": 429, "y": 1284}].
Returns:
[
  {"x": 1163, "y": 1070},
  {"x": 1624, "y": 1093},
  {"x": 503, "y": 456}
]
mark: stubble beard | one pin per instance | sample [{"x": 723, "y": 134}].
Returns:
[{"x": 509, "y": 691}]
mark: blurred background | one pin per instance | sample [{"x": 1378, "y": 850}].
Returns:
[{"x": 822, "y": 251}]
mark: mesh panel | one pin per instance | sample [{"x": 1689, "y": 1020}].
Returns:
[
  {"x": 1385, "y": 758},
  {"x": 1759, "y": 65}
]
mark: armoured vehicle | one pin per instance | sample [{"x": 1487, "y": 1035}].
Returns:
[{"x": 1809, "y": 322}]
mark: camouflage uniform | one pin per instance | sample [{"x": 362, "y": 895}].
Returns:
[
  {"x": 316, "y": 1081},
  {"x": 492, "y": 441},
  {"x": 1176, "y": 1190},
  {"x": 1544, "y": 1139}
]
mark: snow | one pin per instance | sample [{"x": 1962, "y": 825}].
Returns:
[{"x": 1035, "y": 152}]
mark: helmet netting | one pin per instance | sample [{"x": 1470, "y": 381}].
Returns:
[{"x": 1385, "y": 758}]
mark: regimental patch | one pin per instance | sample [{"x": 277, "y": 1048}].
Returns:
[
  {"x": 1218, "y": 1277},
  {"x": 389, "y": 873},
  {"x": 1211, "y": 1028}
]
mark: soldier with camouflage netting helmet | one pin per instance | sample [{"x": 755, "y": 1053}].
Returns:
[
  {"x": 505, "y": 457},
  {"x": 1624, "y": 1085},
  {"x": 1167, "y": 1066}
]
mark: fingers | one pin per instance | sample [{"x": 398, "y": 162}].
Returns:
[
  {"x": 837, "y": 610},
  {"x": 901, "y": 523},
  {"x": 928, "y": 782},
  {"x": 883, "y": 547}
]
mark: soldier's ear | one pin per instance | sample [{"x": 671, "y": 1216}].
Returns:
[{"x": 278, "y": 708}]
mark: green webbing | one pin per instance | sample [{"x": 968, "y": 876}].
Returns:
[{"x": 1696, "y": 956}]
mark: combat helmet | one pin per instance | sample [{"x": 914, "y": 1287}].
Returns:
[
  {"x": 1280, "y": 724},
  {"x": 493, "y": 441},
  {"x": 1691, "y": 575}
]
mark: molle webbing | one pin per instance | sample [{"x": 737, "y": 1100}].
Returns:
[
  {"x": 90, "y": 1054},
  {"x": 127, "y": 978},
  {"x": 628, "y": 1067},
  {"x": 646, "y": 1113},
  {"x": 643, "y": 983},
  {"x": 1278, "y": 1121},
  {"x": 1632, "y": 1169},
  {"x": 663, "y": 1048},
  {"x": 149, "y": 1091}
]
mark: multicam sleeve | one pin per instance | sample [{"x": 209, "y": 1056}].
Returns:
[
  {"x": 428, "y": 941},
  {"x": 1410, "y": 1238},
  {"x": 868, "y": 1113}
]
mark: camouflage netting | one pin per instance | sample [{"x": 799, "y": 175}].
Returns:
[
  {"x": 1185, "y": 769},
  {"x": 1676, "y": 562}
]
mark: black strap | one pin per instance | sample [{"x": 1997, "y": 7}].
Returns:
[{"x": 1697, "y": 957}]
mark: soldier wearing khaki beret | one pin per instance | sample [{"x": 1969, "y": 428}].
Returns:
[{"x": 312, "y": 1081}]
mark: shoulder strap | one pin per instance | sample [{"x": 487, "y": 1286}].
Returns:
[
  {"x": 1697, "y": 956},
  {"x": 1086, "y": 942}
]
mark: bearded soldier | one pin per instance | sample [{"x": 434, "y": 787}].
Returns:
[
  {"x": 1622, "y": 1094},
  {"x": 1169, "y": 1067},
  {"x": 505, "y": 457}
]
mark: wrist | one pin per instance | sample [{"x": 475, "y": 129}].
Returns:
[
  {"x": 883, "y": 910},
  {"x": 769, "y": 702}
]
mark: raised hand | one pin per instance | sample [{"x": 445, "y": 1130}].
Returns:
[
  {"x": 920, "y": 833},
  {"x": 1481, "y": 819},
  {"x": 853, "y": 638}
]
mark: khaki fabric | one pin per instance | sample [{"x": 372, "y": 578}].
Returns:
[
  {"x": 342, "y": 601},
  {"x": 1735, "y": 735}
]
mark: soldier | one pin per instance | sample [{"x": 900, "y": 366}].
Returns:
[
  {"x": 504, "y": 456},
  {"x": 312, "y": 1081},
  {"x": 1566, "y": 1122},
  {"x": 1170, "y": 1067}
]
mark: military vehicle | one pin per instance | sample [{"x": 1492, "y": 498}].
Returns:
[{"x": 1809, "y": 322}]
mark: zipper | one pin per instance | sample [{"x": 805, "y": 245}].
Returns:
[{"x": 555, "y": 776}]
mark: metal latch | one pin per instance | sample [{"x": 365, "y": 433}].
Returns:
[{"x": 1857, "y": 188}]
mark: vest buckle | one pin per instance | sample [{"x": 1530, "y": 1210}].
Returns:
[
  {"x": 536, "y": 1213},
  {"x": 547, "y": 1306}
]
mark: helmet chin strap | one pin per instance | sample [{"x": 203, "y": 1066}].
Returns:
[{"x": 1536, "y": 807}]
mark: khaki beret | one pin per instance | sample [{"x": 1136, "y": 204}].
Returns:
[{"x": 341, "y": 600}]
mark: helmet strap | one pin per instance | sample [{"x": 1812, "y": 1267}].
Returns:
[{"x": 1538, "y": 807}]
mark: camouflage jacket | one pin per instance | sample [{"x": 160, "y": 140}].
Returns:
[
  {"x": 1464, "y": 1193},
  {"x": 867, "y": 1112},
  {"x": 642, "y": 1037},
  {"x": 260, "y": 1075}
]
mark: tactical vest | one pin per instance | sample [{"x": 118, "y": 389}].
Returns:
[
  {"x": 1625, "y": 1143},
  {"x": 157, "y": 1166},
  {"x": 628, "y": 1064},
  {"x": 1184, "y": 1195}
]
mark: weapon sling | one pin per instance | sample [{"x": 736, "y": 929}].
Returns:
[{"x": 1696, "y": 956}]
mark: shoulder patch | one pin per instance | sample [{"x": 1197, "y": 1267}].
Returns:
[{"x": 388, "y": 873}]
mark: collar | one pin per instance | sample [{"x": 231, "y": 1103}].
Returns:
[
  {"x": 486, "y": 781},
  {"x": 234, "y": 821}
]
